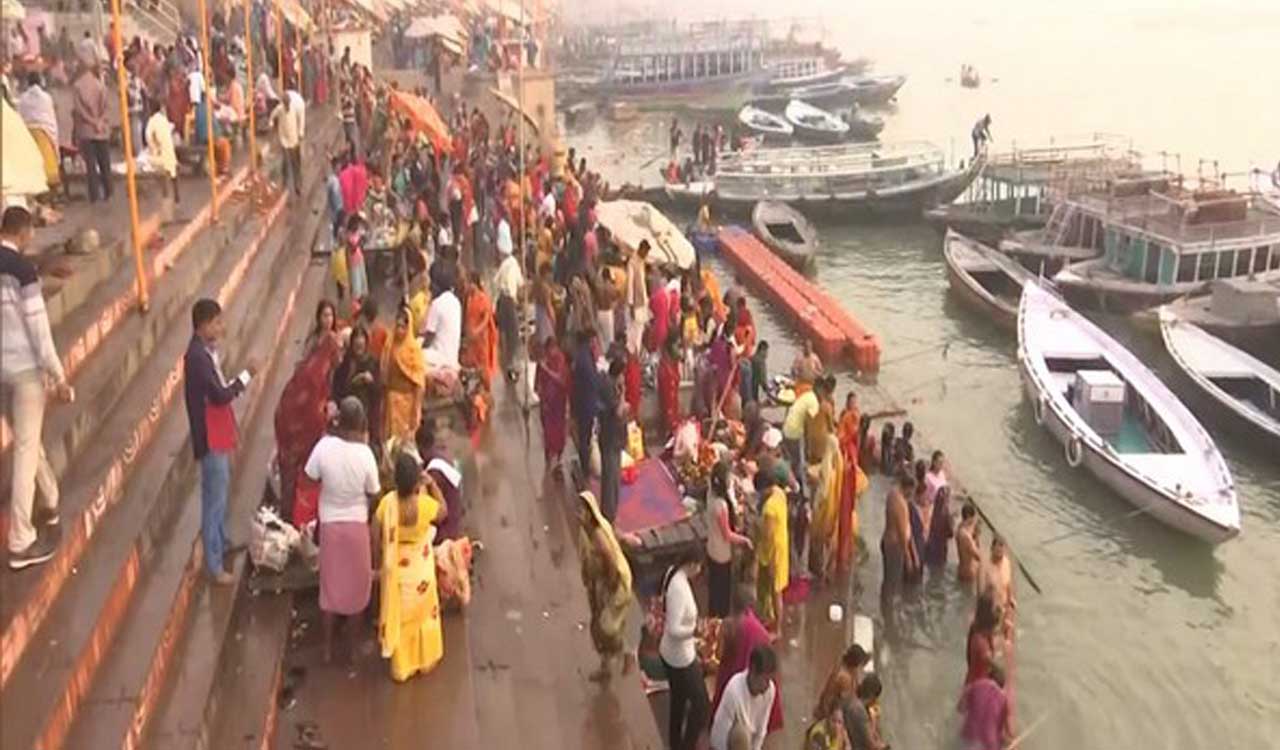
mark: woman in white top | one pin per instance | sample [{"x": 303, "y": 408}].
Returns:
[
  {"x": 721, "y": 539},
  {"x": 344, "y": 466},
  {"x": 689, "y": 703}
]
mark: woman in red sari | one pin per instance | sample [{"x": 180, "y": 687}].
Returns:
[
  {"x": 552, "y": 385},
  {"x": 745, "y": 332},
  {"x": 480, "y": 333},
  {"x": 669, "y": 386},
  {"x": 300, "y": 421}
]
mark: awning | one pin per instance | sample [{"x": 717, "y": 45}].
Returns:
[
  {"x": 422, "y": 118},
  {"x": 514, "y": 106},
  {"x": 447, "y": 28},
  {"x": 295, "y": 14},
  {"x": 511, "y": 9},
  {"x": 22, "y": 167},
  {"x": 632, "y": 221},
  {"x": 371, "y": 9}
]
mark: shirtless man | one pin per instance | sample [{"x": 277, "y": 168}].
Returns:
[
  {"x": 968, "y": 546},
  {"x": 997, "y": 578},
  {"x": 897, "y": 550}
]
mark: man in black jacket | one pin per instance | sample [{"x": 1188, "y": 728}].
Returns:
[{"x": 209, "y": 397}]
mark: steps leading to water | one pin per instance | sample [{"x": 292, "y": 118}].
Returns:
[{"x": 127, "y": 492}]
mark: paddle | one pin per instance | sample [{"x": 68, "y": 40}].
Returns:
[
  {"x": 1017, "y": 558},
  {"x": 1016, "y": 741}
]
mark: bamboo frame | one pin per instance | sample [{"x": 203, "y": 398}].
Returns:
[
  {"x": 131, "y": 180},
  {"x": 208, "y": 110}
]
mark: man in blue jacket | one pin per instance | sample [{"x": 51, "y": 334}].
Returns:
[{"x": 209, "y": 397}]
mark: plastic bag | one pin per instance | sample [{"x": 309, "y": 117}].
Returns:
[
  {"x": 272, "y": 540},
  {"x": 635, "y": 441}
]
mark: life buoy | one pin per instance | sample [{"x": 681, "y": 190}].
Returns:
[
  {"x": 1075, "y": 452},
  {"x": 1037, "y": 408}
]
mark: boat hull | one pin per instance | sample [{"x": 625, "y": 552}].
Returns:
[
  {"x": 987, "y": 227},
  {"x": 878, "y": 93},
  {"x": 969, "y": 291},
  {"x": 799, "y": 255},
  {"x": 1110, "y": 472}
]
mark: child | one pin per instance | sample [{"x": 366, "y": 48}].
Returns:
[{"x": 355, "y": 260}]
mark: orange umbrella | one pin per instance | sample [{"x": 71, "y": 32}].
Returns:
[{"x": 422, "y": 118}]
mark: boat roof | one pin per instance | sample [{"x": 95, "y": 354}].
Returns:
[
  {"x": 1049, "y": 328},
  {"x": 832, "y": 159},
  {"x": 632, "y": 222},
  {"x": 1182, "y": 218}
]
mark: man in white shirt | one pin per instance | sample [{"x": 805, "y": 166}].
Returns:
[
  {"x": 507, "y": 283},
  {"x": 443, "y": 331},
  {"x": 36, "y": 107},
  {"x": 742, "y": 719},
  {"x": 287, "y": 119}
]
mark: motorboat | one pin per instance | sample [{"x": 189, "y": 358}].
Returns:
[
  {"x": 786, "y": 232},
  {"x": 813, "y": 124},
  {"x": 1117, "y": 420},
  {"x": 1246, "y": 387},
  {"x": 985, "y": 278},
  {"x": 765, "y": 123}
]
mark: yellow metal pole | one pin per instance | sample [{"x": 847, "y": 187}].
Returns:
[
  {"x": 280, "y": 48},
  {"x": 208, "y": 110},
  {"x": 251, "y": 94},
  {"x": 131, "y": 183}
]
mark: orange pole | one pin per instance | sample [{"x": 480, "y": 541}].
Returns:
[
  {"x": 208, "y": 110},
  {"x": 131, "y": 182},
  {"x": 251, "y": 94},
  {"x": 280, "y": 48}
]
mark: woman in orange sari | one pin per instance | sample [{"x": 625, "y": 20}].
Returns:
[
  {"x": 855, "y": 481},
  {"x": 479, "y": 333},
  {"x": 405, "y": 371}
]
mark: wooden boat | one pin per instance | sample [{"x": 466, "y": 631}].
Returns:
[
  {"x": 765, "y": 123},
  {"x": 832, "y": 95},
  {"x": 786, "y": 232},
  {"x": 691, "y": 194},
  {"x": 1115, "y": 418},
  {"x": 1247, "y": 387},
  {"x": 983, "y": 224},
  {"x": 969, "y": 77},
  {"x": 787, "y": 74},
  {"x": 813, "y": 124},
  {"x": 845, "y": 179},
  {"x": 875, "y": 89},
  {"x": 1242, "y": 312},
  {"x": 985, "y": 278}
]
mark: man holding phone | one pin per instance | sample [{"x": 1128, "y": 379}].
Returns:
[{"x": 213, "y": 428}]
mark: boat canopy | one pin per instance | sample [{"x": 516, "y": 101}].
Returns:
[{"x": 631, "y": 222}]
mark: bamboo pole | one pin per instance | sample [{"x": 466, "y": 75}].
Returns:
[
  {"x": 208, "y": 110},
  {"x": 131, "y": 182},
  {"x": 280, "y": 47},
  {"x": 250, "y": 94}
]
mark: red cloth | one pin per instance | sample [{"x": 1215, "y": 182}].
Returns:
[
  {"x": 979, "y": 653},
  {"x": 302, "y": 416},
  {"x": 220, "y": 425},
  {"x": 660, "y": 324},
  {"x": 669, "y": 393},
  {"x": 751, "y": 633},
  {"x": 354, "y": 182},
  {"x": 552, "y": 385}
]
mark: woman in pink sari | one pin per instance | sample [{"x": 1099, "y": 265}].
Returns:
[
  {"x": 552, "y": 385},
  {"x": 740, "y": 633}
]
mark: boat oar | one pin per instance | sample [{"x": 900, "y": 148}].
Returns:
[{"x": 1017, "y": 558}]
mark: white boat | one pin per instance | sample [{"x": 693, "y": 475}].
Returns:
[
  {"x": 765, "y": 123},
  {"x": 875, "y": 89},
  {"x": 844, "y": 179},
  {"x": 1115, "y": 418},
  {"x": 1247, "y": 387},
  {"x": 815, "y": 124}
]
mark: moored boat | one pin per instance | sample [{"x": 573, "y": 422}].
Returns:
[
  {"x": 1115, "y": 418},
  {"x": 832, "y": 95},
  {"x": 765, "y": 123},
  {"x": 863, "y": 127},
  {"x": 786, "y": 232},
  {"x": 1247, "y": 387},
  {"x": 844, "y": 180},
  {"x": 985, "y": 278},
  {"x": 1240, "y": 311},
  {"x": 801, "y": 71},
  {"x": 875, "y": 89},
  {"x": 813, "y": 124}
]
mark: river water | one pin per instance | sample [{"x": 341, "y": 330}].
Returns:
[{"x": 1142, "y": 638}]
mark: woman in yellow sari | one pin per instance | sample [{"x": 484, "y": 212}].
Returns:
[
  {"x": 824, "y": 539},
  {"x": 607, "y": 576},
  {"x": 772, "y": 553},
  {"x": 406, "y": 379},
  {"x": 409, "y": 628}
]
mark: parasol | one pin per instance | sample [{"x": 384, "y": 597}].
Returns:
[
  {"x": 632, "y": 221},
  {"x": 423, "y": 118},
  {"x": 21, "y": 166}
]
